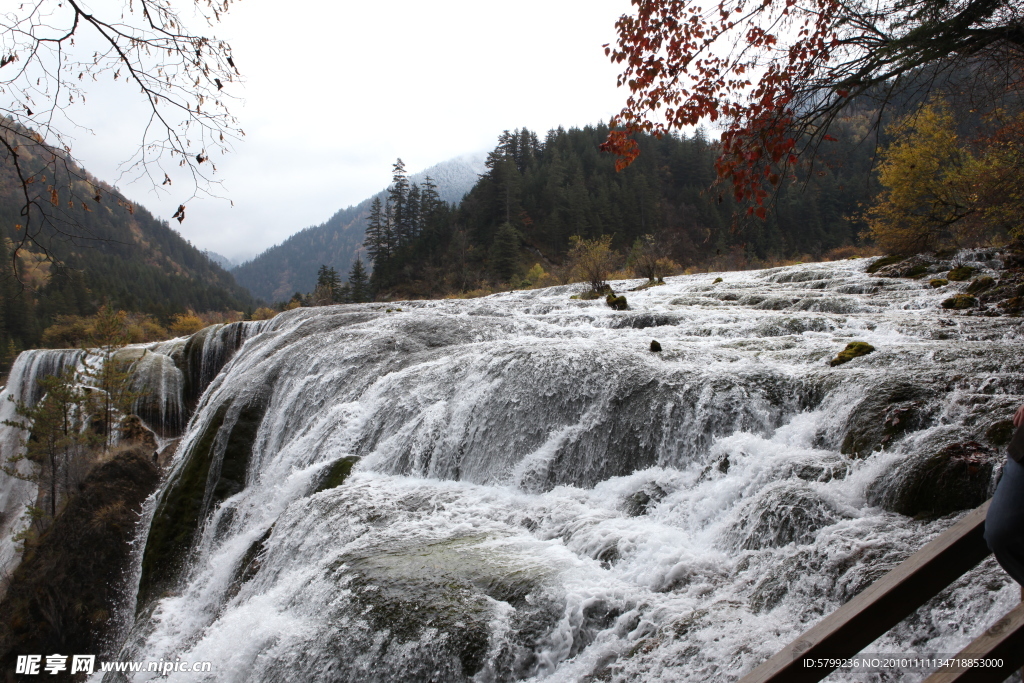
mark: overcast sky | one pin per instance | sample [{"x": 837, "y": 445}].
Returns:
[{"x": 335, "y": 91}]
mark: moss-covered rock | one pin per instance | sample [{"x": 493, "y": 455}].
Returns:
[
  {"x": 249, "y": 564},
  {"x": 980, "y": 285},
  {"x": 65, "y": 593},
  {"x": 639, "y": 502},
  {"x": 938, "y": 282},
  {"x": 852, "y": 350},
  {"x": 337, "y": 473},
  {"x": 958, "y": 477},
  {"x": 960, "y": 302},
  {"x": 616, "y": 302},
  {"x": 961, "y": 273},
  {"x": 655, "y": 346},
  {"x": 185, "y": 504},
  {"x": 889, "y": 260},
  {"x": 178, "y": 514},
  {"x": 717, "y": 280}
]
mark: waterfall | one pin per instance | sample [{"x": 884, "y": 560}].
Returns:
[
  {"x": 22, "y": 385},
  {"x": 516, "y": 487},
  {"x": 166, "y": 376}
]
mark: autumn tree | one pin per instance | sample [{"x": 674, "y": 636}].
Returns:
[
  {"x": 110, "y": 374},
  {"x": 776, "y": 75},
  {"x": 942, "y": 191},
  {"x": 50, "y": 53},
  {"x": 592, "y": 260}
]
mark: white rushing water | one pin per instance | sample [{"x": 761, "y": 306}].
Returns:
[{"x": 540, "y": 496}]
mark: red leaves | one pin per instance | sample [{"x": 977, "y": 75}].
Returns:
[
  {"x": 685, "y": 65},
  {"x": 623, "y": 146},
  {"x": 180, "y": 213}
]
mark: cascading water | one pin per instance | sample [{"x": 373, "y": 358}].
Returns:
[
  {"x": 167, "y": 376},
  {"x": 22, "y": 385},
  {"x": 535, "y": 494}
]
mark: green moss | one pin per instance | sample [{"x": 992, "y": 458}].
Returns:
[
  {"x": 917, "y": 272},
  {"x": 717, "y": 280},
  {"x": 616, "y": 302},
  {"x": 980, "y": 285},
  {"x": 852, "y": 350},
  {"x": 338, "y": 473},
  {"x": 961, "y": 274},
  {"x": 884, "y": 261},
  {"x": 960, "y": 302},
  {"x": 238, "y": 452},
  {"x": 939, "y": 282}
]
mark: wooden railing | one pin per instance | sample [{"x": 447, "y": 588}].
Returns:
[{"x": 888, "y": 601}]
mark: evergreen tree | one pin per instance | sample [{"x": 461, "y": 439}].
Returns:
[
  {"x": 358, "y": 282},
  {"x": 398, "y": 197},
  {"x": 505, "y": 252}
]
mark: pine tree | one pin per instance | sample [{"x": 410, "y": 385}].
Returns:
[
  {"x": 358, "y": 282},
  {"x": 375, "y": 242},
  {"x": 57, "y": 439},
  {"x": 505, "y": 252},
  {"x": 398, "y": 197}
]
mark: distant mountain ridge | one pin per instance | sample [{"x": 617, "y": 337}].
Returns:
[
  {"x": 101, "y": 250},
  {"x": 292, "y": 266}
]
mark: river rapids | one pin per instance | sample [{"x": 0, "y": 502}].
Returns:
[{"x": 517, "y": 488}]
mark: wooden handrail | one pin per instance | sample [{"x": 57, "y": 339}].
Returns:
[{"x": 882, "y": 605}]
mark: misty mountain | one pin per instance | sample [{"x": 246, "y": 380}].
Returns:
[
  {"x": 291, "y": 266},
  {"x": 221, "y": 260}
]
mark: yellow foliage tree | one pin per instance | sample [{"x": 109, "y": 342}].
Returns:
[
  {"x": 186, "y": 323},
  {"x": 922, "y": 172},
  {"x": 942, "y": 192},
  {"x": 592, "y": 260}
]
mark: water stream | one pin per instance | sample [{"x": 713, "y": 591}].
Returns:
[{"x": 536, "y": 495}]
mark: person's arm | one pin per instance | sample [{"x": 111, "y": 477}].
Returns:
[{"x": 1018, "y": 417}]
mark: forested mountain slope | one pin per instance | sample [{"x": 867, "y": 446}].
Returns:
[
  {"x": 292, "y": 266},
  {"x": 97, "y": 251}
]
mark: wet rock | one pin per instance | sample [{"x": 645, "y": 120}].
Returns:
[
  {"x": 961, "y": 273},
  {"x": 617, "y": 303},
  {"x": 958, "y": 477},
  {"x": 783, "y": 513},
  {"x": 980, "y": 285},
  {"x": 1000, "y": 433},
  {"x": 889, "y": 260},
  {"x": 914, "y": 267},
  {"x": 640, "y": 502},
  {"x": 960, "y": 302},
  {"x": 655, "y": 346},
  {"x": 887, "y": 412},
  {"x": 939, "y": 282},
  {"x": 852, "y": 350},
  {"x": 438, "y": 601},
  {"x": 337, "y": 473}
]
